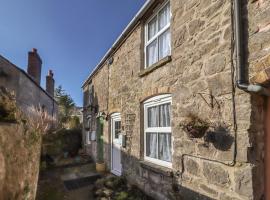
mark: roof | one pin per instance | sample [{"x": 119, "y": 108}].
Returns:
[
  {"x": 122, "y": 37},
  {"x": 29, "y": 77}
]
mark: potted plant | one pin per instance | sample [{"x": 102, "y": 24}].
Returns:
[
  {"x": 100, "y": 164},
  {"x": 194, "y": 126}
]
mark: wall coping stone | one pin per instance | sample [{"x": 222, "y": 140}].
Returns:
[
  {"x": 157, "y": 169},
  {"x": 155, "y": 66}
]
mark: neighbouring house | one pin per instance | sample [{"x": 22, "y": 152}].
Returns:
[
  {"x": 26, "y": 85},
  {"x": 183, "y": 94}
]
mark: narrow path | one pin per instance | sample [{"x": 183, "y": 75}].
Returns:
[{"x": 58, "y": 183}]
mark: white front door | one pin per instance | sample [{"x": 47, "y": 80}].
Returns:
[{"x": 116, "y": 167}]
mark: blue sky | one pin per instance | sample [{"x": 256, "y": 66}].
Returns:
[{"x": 71, "y": 35}]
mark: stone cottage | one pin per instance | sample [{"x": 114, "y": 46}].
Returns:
[
  {"x": 183, "y": 94},
  {"x": 26, "y": 85}
]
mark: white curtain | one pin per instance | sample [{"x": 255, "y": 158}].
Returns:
[
  {"x": 165, "y": 44},
  {"x": 164, "y": 17},
  {"x": 159, "y": 116},
  {"x": 152, "y": 53},
  {"x": 151, "y": 144},
  {"x": 153, "y": 114},
  {"x": 165, "y": 115},
  {"x": 165, "y": 147},
  {"x": 152, "y": 28}
]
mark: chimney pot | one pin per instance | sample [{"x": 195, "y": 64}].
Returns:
[
  {"x": 34, "y": 50},
  {"x": 50, "y": 73}
]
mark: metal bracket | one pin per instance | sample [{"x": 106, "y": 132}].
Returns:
[{"x": 213, "y": 100}]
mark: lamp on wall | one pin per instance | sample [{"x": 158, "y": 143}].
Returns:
[{"x": 102, "y": 114}]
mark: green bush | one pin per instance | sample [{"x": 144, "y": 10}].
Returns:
[
  {"x": 64, "y": 140},
  {"x": 7, "y": 106},
  {"x": 74, "y": 122}
]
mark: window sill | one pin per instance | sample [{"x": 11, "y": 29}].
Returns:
[
  {"x": 157, "y": 168},
  {"x": 155, "y": 66}
]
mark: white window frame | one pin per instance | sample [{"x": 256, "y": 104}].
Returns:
[
  {"x": 88, "y": 133},
  {"x": 155, "y": 101},
  {"x": 87, "y": 137},
  {"x": 155, "y": 37}
]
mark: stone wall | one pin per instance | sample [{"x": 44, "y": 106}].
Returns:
[
  {"x": 20, "y": 147},
  {"x": 200, "y": 70}
]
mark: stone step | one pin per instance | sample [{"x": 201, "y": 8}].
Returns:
[{"x": 77, "y": 181}]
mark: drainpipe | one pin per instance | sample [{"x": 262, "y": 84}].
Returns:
[{"x": 243, "y": 84}]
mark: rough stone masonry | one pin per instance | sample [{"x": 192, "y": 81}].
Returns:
[{"x": 200, "y": 70}]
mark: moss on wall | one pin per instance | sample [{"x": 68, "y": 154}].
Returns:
[
  {"x": 19, "y": 152},
  {"x": 7, "y": 107}
]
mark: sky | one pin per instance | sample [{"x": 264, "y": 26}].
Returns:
[{"x": 71, "y": 35}]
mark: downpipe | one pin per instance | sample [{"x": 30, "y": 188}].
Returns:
[{"x": 242, "y": 83}]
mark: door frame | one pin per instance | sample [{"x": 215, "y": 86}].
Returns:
[{"x": 115, "y": 117}]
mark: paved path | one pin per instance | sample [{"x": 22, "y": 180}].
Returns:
[{"x": 51, "y": 183}]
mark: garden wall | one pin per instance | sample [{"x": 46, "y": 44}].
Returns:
[{"x": 20, "y": 148}]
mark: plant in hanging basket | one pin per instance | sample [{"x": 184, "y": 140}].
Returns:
[{"x": 194, "y": 126}]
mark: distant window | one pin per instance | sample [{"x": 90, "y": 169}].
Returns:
[
  {"x": 89, "y": 124},
  {"x": 157, "y": 130},
  {"x": 88, "y": 137},
  {"x": 158, "y": 36},
  {"x": 88, "y": 127},
  {"x": 91, "y": 94}
]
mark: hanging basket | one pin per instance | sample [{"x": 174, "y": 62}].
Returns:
[
  {"x": 195, "y": 127},
  {"x": 196, "y": 131}
]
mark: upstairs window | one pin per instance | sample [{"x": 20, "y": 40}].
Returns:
[
  {"x": 91, "y": 94},
  {"x": 158, "y": 36}
]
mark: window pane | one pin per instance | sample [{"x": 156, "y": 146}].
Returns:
[
  {"x": 151, "y": 145},
  {"x": 89, "y": 124},
  {"x": 164, "y": 147},
  {"x": 153, "y": 116},
  {"x": 164, "y": 17},
  {"x": 89, "y": 135},
  {"x": 165, "y": 115},
  {"x": 165, "y": 44},
  {"x": 152, "y": 53},
  {"x": 117, "y": 129},
  {"x": 152, "y": 28}
]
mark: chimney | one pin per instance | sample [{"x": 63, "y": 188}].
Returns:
[
  {"x": 34, "y": 65},
  {"x": 50, "y": 83}
]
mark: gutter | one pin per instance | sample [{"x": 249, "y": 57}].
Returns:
[
  {"x": 242, "y": 82},
  {"x": 122, "y": 37}
]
